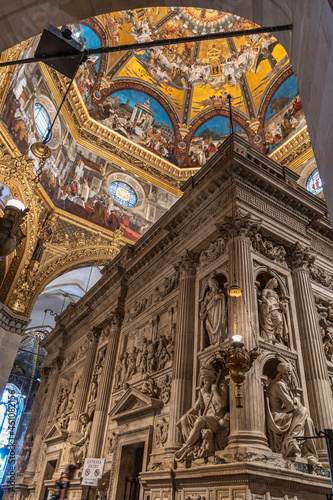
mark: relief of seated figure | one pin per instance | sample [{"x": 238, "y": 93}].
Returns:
[
  {"x": 288, "y": 419},
  {"x": 205, "y": 427},
  {"x": 79, "y": 448}
]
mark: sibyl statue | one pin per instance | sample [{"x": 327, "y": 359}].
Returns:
[
  {"x": 287, "y": 418},
  {"x": 213, "y": 312},
  {"x": 273, "y": 320},
  {"x": 205, "y": 427},
  {"x": 79, "y": 448}
]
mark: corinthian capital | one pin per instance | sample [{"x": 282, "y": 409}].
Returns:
[
  {"x": 241, "y": 224},
  {"x": 187, "y": 264},
  {"x": 93, "y": 335},
  {"x": 115, "y": 321},
  {"x": 300, "y": 257}
]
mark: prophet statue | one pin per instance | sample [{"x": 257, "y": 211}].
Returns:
[
  {"x": 205, "y": 427},
  {"x": 273, "y": 320},
  {"x": 288, "y": 419},
  {"x": 212, "y": 312}
]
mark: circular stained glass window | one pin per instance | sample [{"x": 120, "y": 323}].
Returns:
[
  {"x": 43, "y": 122},
  {"x": 314, "y": 184},
  {"x": 123, "y": 193}
]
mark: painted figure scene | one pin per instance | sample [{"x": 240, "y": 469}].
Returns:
[{"x": 285, "y": 115}]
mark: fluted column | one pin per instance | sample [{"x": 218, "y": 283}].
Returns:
[
  {"x": 41, "y": 422},
  {"x": 315, "y": 367},
  {"x": 85, "y": 380},
  {"x": 104, "y": 389},
  {"x": 181, "y": 388},
  {"x": 247, "y": 424}
]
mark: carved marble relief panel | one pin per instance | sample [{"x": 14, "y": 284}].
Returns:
[
  {"x": 266, "y": 246},
  {"x": 65, "y": 401},
  {"x": 325, "y": 317},
  {"x": 148, "y": 349}
]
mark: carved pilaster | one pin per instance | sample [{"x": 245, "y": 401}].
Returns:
[
  {"x": 92, "y": 337},
  {"x": 181, "y": 391},
  {"x": 104, "y": 389},
  {"x": 315, "y": 367},
  {"x": 51, "y": 380}
]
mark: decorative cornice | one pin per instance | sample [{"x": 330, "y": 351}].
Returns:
[{"x": 11, "y": 321}]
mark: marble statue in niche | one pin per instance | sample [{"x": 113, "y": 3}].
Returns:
[
  {"x": 73, "y": 393},
  {"x": 79, "y": 448},
  {"x": 131, "y": 362},
  {"x": 273, "y": 314},
  {"x": 162, "y": 429},
  {"x": 141, "y": 360},
  {"x": 325, "y": 314},
  {"x": 96, "y": 377},
  {"x": 287, "y": 418},
  {"x": 117, "y": 373},
  {"x": 205, "y": 427},
  {"x": 62, "y": 401},
  {"x": 212, "y": 311},
  {"x": 23, "y": 459}
]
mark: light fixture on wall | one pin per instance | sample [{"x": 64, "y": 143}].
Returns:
[
  {"x": 238, "y": 360},
  {"x": 11, "y": 233}
]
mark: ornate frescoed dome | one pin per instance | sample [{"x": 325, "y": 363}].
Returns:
[{"x": 183, "y": 86}]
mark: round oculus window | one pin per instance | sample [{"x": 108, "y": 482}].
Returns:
[
  {"x": 123, "y": 193},
  {"x": 43, "y": 122}
]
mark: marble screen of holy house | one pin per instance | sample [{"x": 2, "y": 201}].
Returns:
[{"x": 170, "y": 101}]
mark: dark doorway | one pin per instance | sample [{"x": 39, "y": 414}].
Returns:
[
  {"x": 49, "y": 471},
  {"x": 130, "y": 466}
]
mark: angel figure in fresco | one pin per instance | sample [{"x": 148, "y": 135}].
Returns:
[
  {"x": 212, "y": 311},
  {"x": 205, "y": 427},
  {"x": 287, "y": 418},
  {"x": 265, "y": 53}
]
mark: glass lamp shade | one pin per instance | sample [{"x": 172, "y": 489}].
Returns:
[{"x": 15, "y": 203}]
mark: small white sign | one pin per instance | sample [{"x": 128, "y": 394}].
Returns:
[
  {"x": 89, "y": 482},
  {"x": 93, "y": 468}
]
